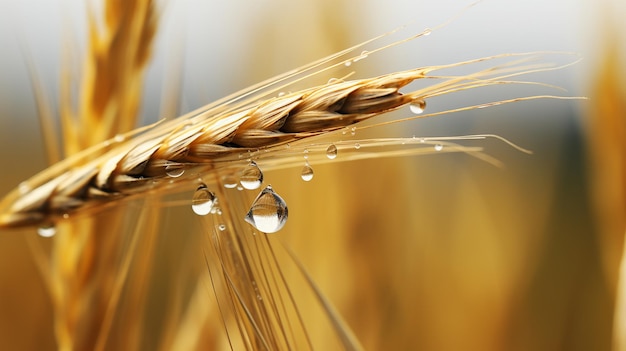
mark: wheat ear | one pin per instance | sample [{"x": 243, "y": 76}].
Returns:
[{"x": 204, "y": 139}]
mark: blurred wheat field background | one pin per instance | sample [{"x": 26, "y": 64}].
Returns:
[{"x": 437, "y": 252}]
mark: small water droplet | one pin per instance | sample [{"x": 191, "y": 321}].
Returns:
[
  {"x": 427, "y": 31},
  {"x": 118, "y": 138},
  {"x": 268, "y": 212},
  {"x": 334, "y": 80},
  {"x": 47, "y": 230},
  {"x": 221, "y": 227},
  {"x": 282, "y": 93},
  {"x": 353, "y": 131},
  {"x": 357, "y": 146},
  {"x": 251, "y": 177},
  {"x": 306, "y": 154},
  {"x": 438, "y": 147},
  {"x": 202, "y": 201},
  {"x": 363, "y": 55},
  {"x": 422, "y": 140},
  {"x": 229, "y": 181},
  {"x": 66, "y": 215},
  {"x": 174, "y": 170},
  {"x": 331, "y": 152},
  {"x": 307, "y": 173},
  {"x": 417, "y": 106},
  {"x": 347, "y": 63},
  {"x": 23, "y": 188}
]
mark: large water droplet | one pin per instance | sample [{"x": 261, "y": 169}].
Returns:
[
  {"x": 307, "y": 173},
  {"x": 47, "y": 230},
  {"x": 268, "y": 212},
  {"x": 174, "y": 170},
  {"x": 417, "y": 106},
  {"x": 331, "y": 152},
  {"x": 251, "y": 177},
  {"x": 202, "y": 201}
]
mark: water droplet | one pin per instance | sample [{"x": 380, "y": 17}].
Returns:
[
  {"x": 307, "y": 173},
  {"x": 229, "y": 181},
  {"x": 118, "y": 138},
  {"x": 347, "y": 63},
  {"x": 251, "y": 177},
  {"x": 282, "y": 93},
  {"x": 306, "y": 154},
  {"x": 174, "y": 170},
  {"x": 363, "y": 55},
  {"x": 66, "y": 215},
  {"x": 357, "y": 146},
  {"x": 221, "y": 227},
  {"x": 47, "y": 230},
  {"x": 23, "y": 188},
  {"x": 331, "y": 152},
  {"x": 427, "y": 31},
  {"x": 353, "y": 131},
  {"x": 417, "y": 106},
  {"x": 438, "y": 147},
  {"x": 334, "y": 80},
  {"x": 268, "y": 212},
  {"x": 202, "y": 201},
  {"x": 422, "y": 140}
]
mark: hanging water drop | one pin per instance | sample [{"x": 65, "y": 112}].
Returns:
[
  {"x": 438, "y": 147},
  {"x": 307, "y": 173},
  {"x": 331, "y": 152},
  {"x": 417, "y": 106},
  {"x": 47, "y": 230},
  {"x": 306, "y": 154},
  {"x": 202, "y": 201},
  {"x": 268, "y": 212},
  {"x": 174, "y": 170},
  {"x": 353, "y": 131},
  {"x": 251, "y": 177}
]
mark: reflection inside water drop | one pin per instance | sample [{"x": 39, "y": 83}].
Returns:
[
  {"x": 47, "y": 230},
  {"x": 268, "y": 212},
  {"x": 202, "y": 201},
  {"x": 251, "y": 177}
]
